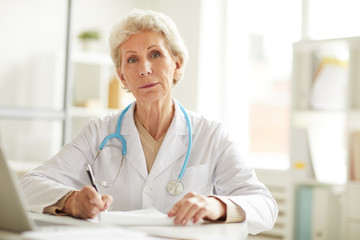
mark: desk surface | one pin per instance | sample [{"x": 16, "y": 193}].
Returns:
[
  {"x": 203, "y": 231},
  {"x": 221, "y": 231}
]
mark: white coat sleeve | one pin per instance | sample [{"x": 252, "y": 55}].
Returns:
[
  {"x": 235, "y": 179},
  {"x": 64, "y": 172}
]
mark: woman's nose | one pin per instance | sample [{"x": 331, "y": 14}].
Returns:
[{"x": 145, "y": 69}]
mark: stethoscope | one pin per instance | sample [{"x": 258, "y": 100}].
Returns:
[{"x": 173, "y": 187}]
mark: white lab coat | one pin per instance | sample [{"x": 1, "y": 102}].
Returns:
[{"x": 214, "y": 161}]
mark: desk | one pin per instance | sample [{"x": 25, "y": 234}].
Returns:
[{"x": 221, "y": 231}]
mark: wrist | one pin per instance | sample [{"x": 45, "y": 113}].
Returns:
[
  {"x": 221, "y": 206},
  {"x": 68, "y": 206}
]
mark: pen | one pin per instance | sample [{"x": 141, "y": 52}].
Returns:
[
  {"x": 91, "y": 176},
  {"x": 90, "y": 173}
]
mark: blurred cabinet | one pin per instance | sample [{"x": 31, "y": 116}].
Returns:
[
  {"x": 91, "y": 74},
  {"x": 352, "y": 225},
  {"x": 318, "y": 211},
  {"x": 92, "y": 90},
  {"x": 325, "y": 117}
]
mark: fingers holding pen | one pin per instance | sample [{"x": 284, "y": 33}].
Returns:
[
  {"x": 107, "y": 201},
  {"x": 87, "y": 203}
]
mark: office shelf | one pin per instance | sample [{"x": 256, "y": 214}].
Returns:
[{"x": 326, "y": 101}]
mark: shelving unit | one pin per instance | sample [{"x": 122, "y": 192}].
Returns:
[
  {"x": 352, "y": 215},
  {"x": 322, "y": 122},
  {"x": 91, "y": 75}
]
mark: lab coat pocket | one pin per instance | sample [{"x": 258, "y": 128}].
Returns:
[{"x": 196, "y": 179}]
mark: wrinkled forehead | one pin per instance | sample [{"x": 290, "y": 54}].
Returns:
[{"x": 142, "y": 41}]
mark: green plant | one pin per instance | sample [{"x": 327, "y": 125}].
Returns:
[{"x": 91, "y": 34}]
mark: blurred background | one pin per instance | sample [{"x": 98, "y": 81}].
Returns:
[{"x": 283, "y": 75}]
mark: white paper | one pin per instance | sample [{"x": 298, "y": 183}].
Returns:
[
  {"x": 109, "y": 233},
  {"x": 143, "y": 217}
]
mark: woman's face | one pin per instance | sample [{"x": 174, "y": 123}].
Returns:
[{"x": 147, "y": 67}]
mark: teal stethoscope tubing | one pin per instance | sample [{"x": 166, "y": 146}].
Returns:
[
  {"x": 190, "y": 143},
  {"x": 123, "y": 141},
  {"x": 117, "y": 133}
]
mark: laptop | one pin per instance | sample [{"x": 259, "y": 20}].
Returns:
[{"x": 13, "y": 214}]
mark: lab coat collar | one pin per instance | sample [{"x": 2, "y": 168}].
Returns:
[
  {"x": 135, "y": 156},
  {"x": 178, "y": 124},
  {"x": 128, "y": 125}
]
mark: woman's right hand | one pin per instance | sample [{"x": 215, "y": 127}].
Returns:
[{"x": 86, "y": 203}]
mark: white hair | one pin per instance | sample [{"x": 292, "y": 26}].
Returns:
[{"x": 139, "y": 21}]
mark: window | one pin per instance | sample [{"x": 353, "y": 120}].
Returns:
[
  {"x": 32, "y": 77},
  {"x": 245, "y": 75},
  {"x": 32, "y": 63},
  {"x": 333, "y": 19}
]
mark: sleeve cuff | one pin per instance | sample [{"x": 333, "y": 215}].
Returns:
[
  {"x": 58, "y": 207},
  {"x": 234, "y": 213}
]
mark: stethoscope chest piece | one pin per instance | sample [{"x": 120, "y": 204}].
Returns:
[{"x": 174, "y": 187}]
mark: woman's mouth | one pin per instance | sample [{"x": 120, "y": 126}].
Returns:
[{"x": 148, "y": 85}]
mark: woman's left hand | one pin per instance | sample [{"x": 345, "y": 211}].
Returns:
[{"x": 195, "y": 207}]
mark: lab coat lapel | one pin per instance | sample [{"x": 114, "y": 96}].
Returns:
[
  {"x": 135, "y": 154},
  {"x": 174, "y": 145}
]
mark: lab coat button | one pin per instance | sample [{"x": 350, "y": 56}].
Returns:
[{"x": 147, "y": 189}]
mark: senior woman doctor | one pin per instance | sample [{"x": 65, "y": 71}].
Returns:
[{"x": 149, "y": 56}]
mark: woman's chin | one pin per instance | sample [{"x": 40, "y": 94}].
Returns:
[{"x": 152, "y": 96}]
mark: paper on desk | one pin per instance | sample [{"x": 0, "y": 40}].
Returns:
[
  {"x": 108, "y": 233},
  {"x": 143, "y": 217}
]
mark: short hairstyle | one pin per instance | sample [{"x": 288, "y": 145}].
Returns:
[{"x": 140, "y": 21}]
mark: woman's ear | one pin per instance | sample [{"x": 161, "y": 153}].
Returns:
[
  {"x": 178, "y": 65},
  {"x": 121, "y": 77},
  {"x": 177, "y": 68}
]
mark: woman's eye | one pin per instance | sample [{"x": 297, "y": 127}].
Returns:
[
  {"x": 155, "y": 55},
  {"x": 131, "y": 60}
]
